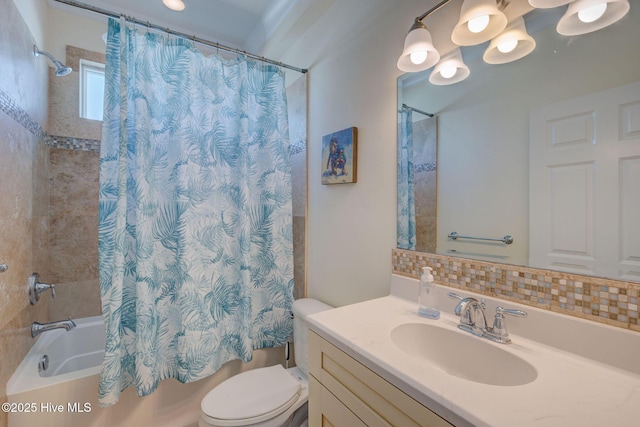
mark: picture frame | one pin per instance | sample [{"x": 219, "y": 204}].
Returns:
[{"x": 339, "y": 157}]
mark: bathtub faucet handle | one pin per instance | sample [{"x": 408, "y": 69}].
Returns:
[{"x": 36, "y": 288}]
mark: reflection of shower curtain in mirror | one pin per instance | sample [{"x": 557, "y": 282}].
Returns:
[
  {"x": 195, "y": 220},
  {"x": 406, "y": 197}
]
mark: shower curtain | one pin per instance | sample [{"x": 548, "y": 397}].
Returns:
[
  {"x": 406, "y": 194},
  {"x": 195, "y": 221}
]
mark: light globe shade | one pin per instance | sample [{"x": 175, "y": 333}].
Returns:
[
  {"x": 451, "y": 61},
  {"x": 417, "y": 42},
  {"x": 516, "y": 31},
  {"x": 548, "y": 4},
  {"x": 176, "y": 5},
  {"x": 571, "y": 25},
  {"x": 472, "y": 9}
]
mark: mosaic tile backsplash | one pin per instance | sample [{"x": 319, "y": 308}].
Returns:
[{"x": 607, "y": 301}]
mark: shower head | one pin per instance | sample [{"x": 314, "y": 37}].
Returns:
[{"x": 61, "y": 69}]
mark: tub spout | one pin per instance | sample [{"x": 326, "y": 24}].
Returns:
[{"x": 38, "y": 328}]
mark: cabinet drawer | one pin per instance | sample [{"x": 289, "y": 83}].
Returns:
[
  {"x": 371, "y": 398},
  {"x": 327, "y": 411}
]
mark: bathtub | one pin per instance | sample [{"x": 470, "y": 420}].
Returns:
[
  {"x": 71, "y": 355},
  {"x": 65, "y": 393}
]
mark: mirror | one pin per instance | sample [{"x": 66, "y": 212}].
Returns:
[{"x": 491, "y": 129}]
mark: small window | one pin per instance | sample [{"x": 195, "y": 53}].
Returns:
[{"x": 91, "y": 89}]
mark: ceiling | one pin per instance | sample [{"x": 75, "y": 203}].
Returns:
[{"x": 242, "y": 24}]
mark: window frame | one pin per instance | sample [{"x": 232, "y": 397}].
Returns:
[{"x": 86, "y": 66}]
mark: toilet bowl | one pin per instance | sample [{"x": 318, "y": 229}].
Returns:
[{"x": 270, "y": 396}]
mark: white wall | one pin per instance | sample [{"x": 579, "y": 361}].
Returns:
[
  {"x": 53, "y": 29},
  {"x": 34, "y": 13},
  {"x": 64, "y": 29},
  {"x": 351, "y": 54}
]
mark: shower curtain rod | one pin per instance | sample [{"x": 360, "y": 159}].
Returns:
[
  {"x": 416, "y": 110},
  {"x": 179, "y": 34}
]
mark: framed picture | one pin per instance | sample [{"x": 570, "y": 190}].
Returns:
[{"x": 339, "y": 157}]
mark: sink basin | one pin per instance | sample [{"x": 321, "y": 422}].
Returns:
[{"x": 463, "y": 355}]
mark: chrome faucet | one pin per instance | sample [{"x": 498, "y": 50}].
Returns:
[
  {"x": 38, "y": 328},
  {"x": 473, "y": 319}
]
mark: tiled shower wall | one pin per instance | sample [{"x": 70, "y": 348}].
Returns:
[
  {"x": 425, "y": 175},
  {"x": 24, "y": 196},
  {"x": 601, "y": 300},
  {"x": 73, "y": 185},
  {"x": 297, "y": 106}
]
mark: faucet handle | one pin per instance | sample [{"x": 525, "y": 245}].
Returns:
[
  {"x": 459, "y": 298},
  {"x": 499, "y": 331},
  {"x": 511, "y": 312},
  {"x": 455, "y": 296},
  {"x": 36, "y": 288}
]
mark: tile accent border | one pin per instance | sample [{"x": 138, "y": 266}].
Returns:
[
  {"x": 297, "y": 147},
  {"x": 424, "y": 167},
  {"x": 70, "y": 143},
  {"x": 22, "y": 117},
  {"x": 17, "y": 113},
  {"x": 608, "y": 301}
]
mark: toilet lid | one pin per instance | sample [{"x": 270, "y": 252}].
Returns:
[{"x": 258, "y": 394}]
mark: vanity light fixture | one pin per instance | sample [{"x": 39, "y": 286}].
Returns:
[
  {"x": 548, "y": 4},
  {"x": 419, "y": 54},
  {"x": 451, "y": 69},
  {"x": 480, "y": 20},
  {"x": 177, "y": 5},
  {"x": 586, "y": 16},
  {"x": 514, "y": 43}
]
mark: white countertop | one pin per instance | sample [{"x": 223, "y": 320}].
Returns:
[{"x": 569, "y": 390}]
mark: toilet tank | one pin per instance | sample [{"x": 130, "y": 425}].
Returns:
[{"x": 301, "y": 309}]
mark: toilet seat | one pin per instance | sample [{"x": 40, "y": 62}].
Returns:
[{"x": 251, "y": 397}]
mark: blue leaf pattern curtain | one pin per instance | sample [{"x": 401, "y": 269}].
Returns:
[
  {"x": 195, "y": 220},
  {"x": 406, "y": 194}
]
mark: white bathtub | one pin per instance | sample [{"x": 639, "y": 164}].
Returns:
[
  {"x": 72, "y": 355},
  {"x": 65, "y": 395}
]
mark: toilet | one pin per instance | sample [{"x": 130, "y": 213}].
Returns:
[{"x": 266, "y": 397}]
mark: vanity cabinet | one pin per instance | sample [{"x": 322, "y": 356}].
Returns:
[{"x": 345, "y": 393}]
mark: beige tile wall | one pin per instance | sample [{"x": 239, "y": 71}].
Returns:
[
  {"x": 64, "y": 104},
  {"x": 607, "y": 301},
  {"x": 24, "y": 198},
  {"x": 73, "y": 180},
  {"x": 297, "y": 105},
  {"x": 73, "y": 235},
  {"x": 425, "y": 184}
]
